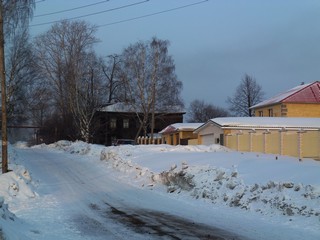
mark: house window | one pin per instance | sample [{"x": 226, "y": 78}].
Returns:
[
  {"x": 260, "y": 113},
  {"x": 125, "y": 123},
  {"x": 113, "y": 123},
  {"x": 270, "y": 110}
]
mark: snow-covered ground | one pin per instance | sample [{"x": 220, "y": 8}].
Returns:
[{"x": 254, "y": 195}]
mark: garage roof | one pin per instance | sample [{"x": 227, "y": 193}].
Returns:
[
  {"x": 264, "y": 122},
  {"x": 180, "y": 127}
]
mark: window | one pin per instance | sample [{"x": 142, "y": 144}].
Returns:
[
  {"x": 125, "y": 123},
  {"x": 260, "y": 113},
  {"x": 270, "y": 110},
  {"x": 113, "y": 123}
]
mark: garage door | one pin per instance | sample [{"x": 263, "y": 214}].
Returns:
[{"x": 207, "y": 139}]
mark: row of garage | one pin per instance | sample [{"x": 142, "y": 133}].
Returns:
[{"x": 298, "y": 137}]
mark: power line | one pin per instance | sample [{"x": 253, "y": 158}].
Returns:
[
  {"x": 152, "y": 14},
  {"x": 91, "y": 14},
  {"x": 71, "y": 9}
]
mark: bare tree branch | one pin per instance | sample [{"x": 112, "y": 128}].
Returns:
[{"x": 247, "y": 94}]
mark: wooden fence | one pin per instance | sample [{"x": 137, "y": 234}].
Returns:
[{"x": 147, "y": 140}]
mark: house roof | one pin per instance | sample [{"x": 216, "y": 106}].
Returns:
[
  {"x": 180, "y": 127},
  {"x": 121, "y": 107},
  {"x": 305, "y": 93},
  {"x": 264, "y": 122}
]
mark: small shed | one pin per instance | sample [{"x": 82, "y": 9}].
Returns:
[
  {"x": 299, "y": 137},
  {"x": 180, "y": 134}
]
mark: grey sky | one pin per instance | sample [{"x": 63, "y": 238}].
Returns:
[{"x": 213, "y": 43}]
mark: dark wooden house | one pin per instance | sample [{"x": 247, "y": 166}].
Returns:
[{"x": 120, "y": 121}]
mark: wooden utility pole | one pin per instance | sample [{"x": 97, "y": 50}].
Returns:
[{"x": 3, "y": 97}]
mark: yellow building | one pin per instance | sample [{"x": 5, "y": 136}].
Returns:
[
  {"x": 180, "y": 134},
  {"x": 300, "y": 101},
  {"x": 298, "y": 137}
]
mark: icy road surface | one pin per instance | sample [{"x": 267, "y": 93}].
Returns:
[{"x": 78, "y": 199}]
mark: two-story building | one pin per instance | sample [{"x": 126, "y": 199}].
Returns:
[
  {"x": 300, "y": 101},
  {"x": 121, "y": 121}
]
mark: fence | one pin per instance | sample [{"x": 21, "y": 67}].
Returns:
[
  {"x": 147, "y": 140},
  {"x": 297, "y": 143}
]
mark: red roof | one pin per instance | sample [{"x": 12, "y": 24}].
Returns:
[
  {"x": 306, "y": 93},
  {"x": 309, "y": 94}
]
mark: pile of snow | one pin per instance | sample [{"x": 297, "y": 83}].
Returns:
[
  {"x": 225, "y": 186},
  {"x": 77, "y": 147},
  {"x": 16, "y": 186},
  {"x": 233, "y": 184},
  {"x": 6, "y": 217}
]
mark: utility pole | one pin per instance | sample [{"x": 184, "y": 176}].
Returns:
[{"x": 3, "y": 97}]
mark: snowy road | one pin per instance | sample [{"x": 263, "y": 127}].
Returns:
[{"x": 78, "y": 199}]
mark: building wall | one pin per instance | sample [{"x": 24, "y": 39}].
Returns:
[
  {"x": 311, "y": 144},
  {"x": 167, "y": 139},
  {"x": 210, "y": 130},
  {"x": 193, "y": 141},
  {"x": 303, "y": 110},
  {"x": 294, "y": 143},
  {"x": 187, "y": 135},
  {"x": 106, "y": 134},
  {"x": 257, "y": 142},
  {"x": 179, "y": 138},
  {"x": 273, "y": 142},
  {"x": 289, "y": 110},
  {"x": 265, "y": 111}
]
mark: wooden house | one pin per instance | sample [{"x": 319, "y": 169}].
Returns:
[
  {"x": 121, "y": 121},
  {"x": 300, "y": 101},
  {"x": 180, "y": 134},
  {"x": 298, "y": 137}
]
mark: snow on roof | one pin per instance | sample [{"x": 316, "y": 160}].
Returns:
[
  {"x": 268, "y": 122},
  {"x": 282, "y": 96},
  {"x": 117, "y": 107},
  {"x": 181, "y": 127},
  {"x": 127, "y": 107}
]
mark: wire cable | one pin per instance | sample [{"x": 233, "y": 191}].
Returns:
[
  {"x": 152, "y": 14},
  {"x": 92, "y": 14},
  {"x": 71, "y": 9}
]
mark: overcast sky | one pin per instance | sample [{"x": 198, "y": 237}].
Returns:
[{"x": 214, "y": 43}]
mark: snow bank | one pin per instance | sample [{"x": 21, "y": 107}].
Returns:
[
  {"x": 225, "y": 186},
  {"x": 77, "y": 147},
  {"x": 219, "y": 185},
  {"x": 6, "y": 217},
  {"x": 16, "y": 185}
]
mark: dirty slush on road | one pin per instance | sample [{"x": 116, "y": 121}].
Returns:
[{"x": 151, "y": 224}]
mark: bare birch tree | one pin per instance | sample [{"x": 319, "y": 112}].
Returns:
[
  {"x": 20, "y": 75},
  {"x": 247, "y": 94},
  {"x": 67, "y": 61},
  {"x": 151, "y": 85}
]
